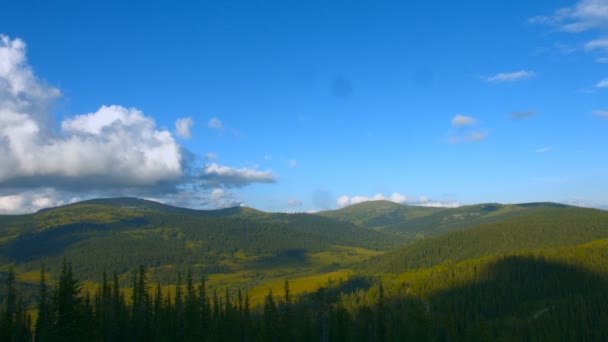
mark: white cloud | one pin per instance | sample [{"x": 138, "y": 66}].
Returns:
[
  {"x": 601, "y": 113},
  {"x": 602, "y": 84},
  {"x": 293, "y": 163},
  {"x": 509, "y": 76},
  {"x": 462, "y": 120},
  {"x": 584, "y": 15},
  {"x": 215, "y": 123},
  {"x": 215, "y": 174},
  {"x": 113, "y": 151},
  {"x": 294, "y": 203},
  {"x": 115, "y": 145},
  {"x": 183, "y": 127},
  {"x": 210, "y": 156},
  {"x": 395, "y": 197},
  {"x": 543, "y": 150},
  {"x": 31, "y": 201},
  {"x": 598, "y": 44}
]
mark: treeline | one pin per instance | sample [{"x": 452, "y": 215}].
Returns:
[
  {"x": 551, "y": 295},
  {"x": 192, "y": 313}
]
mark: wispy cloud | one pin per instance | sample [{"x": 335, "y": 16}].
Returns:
[
  {"x": 219, "y": 175},
  {"x": 543, "y": 150},
  {"x": 601, "y": 113},
  {"x": 183, "y": 127},
  {"x": 395, "y": 197},
  {"x": 509, "y": 76},
  {"x": 469, "y": 137},
  {"x": 294, "y": 203},
  {"x": 522, "y": 115},
  {"x": 463, "y": 120},
  {"x": 465, "y": 131},
  {"x": 598, "y": 44},
  {"x": 215, "y": 123},
  {"x": 584, "y": 15},
  {"x": 292, "y": 163},
  {"x": 602, "y": 84}
]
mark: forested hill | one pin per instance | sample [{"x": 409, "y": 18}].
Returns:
[
  {"x": 415, "y": 222},
  {"x": 121, "y": 234},
  {"x": 544, "y": 227}
]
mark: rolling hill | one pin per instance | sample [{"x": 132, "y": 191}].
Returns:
[
  {"x": 120, "y": 234},
  {"x": 541, "y": 227}
]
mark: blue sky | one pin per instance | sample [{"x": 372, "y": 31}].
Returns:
[{"x": 304, "y": 105}]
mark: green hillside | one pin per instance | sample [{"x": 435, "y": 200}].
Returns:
[
  {"x": 121, "y": 234},
  {"x": 415, "y": 222},
  {"x": 541, "y": 227},
  {"x": 377, "y": 214}
]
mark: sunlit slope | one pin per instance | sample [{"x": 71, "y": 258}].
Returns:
[
  {"x": 540, "y": 228},
  {"x": 375, "y": 214},
  {"x": 415, "y": 222}
]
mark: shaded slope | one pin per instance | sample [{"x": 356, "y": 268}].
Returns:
[{"x": 125, "y": 233}]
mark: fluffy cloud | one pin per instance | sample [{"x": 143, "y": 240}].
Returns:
[
  {"x": 113, "y": 151},
  {"x": 395, "y": 197},
  {"x": 31, "y": 201},
  {"x": 215, "y": 123},
  {"x": 509, "y": 76},
  {"x": 215, "y": 174},
  {"x": 183, "y": 127},
  {"x": 462, "y": 120}
]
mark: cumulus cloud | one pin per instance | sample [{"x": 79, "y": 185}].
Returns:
[
  {"x": 509, "y": 76},
  {"x": 215, "y": 123},
  {"x": 111, "y": 151},
  {"x": 215, "y": 174},
  {"x": 31, "y": 201},
  {"x": 395, "y": 197},
  {"x": 462, "y": 120},
  {"x": 183, "y": 127},
  {"x": 522, "y": 115},
  {"x": 294, "y": 203}
]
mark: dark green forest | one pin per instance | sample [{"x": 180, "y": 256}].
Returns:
[
  {"x": 518, "y": 297},
  {"x": 134, "y": 270}
]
